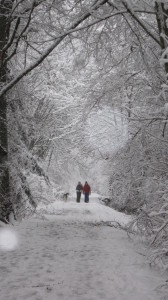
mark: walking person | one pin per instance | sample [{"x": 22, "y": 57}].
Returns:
[
  {"x": 86, "y": 191},
  {"x": 79, "y": 190}
]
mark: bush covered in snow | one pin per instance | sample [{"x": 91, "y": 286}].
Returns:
[{"x": 139, "y": 185}]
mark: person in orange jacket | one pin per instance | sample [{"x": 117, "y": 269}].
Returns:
[{"x": 86, "y": 191}]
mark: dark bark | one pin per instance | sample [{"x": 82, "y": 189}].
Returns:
[{"x": 5, "y": 204}]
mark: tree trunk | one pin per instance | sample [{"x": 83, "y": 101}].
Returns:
[
  {"x": 162, "y": 21},
  {"x": 5, "y": 204}
]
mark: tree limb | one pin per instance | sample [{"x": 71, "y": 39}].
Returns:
[{"x": 58, "y": 40}]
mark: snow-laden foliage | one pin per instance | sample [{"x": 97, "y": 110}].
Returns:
[
  {"x": 120, "y": 64},
  {"x": 138, "y": 182},
  {"x": 29, "y": 126}
]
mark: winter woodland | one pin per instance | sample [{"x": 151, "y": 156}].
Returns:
[{"x": 84, "y": 96}]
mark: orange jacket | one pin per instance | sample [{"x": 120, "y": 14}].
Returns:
[{"x": 86, "y": 188}]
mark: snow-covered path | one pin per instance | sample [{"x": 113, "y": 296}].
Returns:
[{"x": 63, "y": 258}]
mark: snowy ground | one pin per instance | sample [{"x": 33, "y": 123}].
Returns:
[{"x": 64, "y": 257}]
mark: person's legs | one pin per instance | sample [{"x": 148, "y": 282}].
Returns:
[
  {"x": 78, "y": 197},
  {"x": 86, "y": 197}
]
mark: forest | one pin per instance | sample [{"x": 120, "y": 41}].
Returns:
[{"x": 84, "y": 94}]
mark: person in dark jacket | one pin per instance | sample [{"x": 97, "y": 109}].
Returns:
[
  {"x": 79, "y": 190},
  {"x": 86, "y": 191}
]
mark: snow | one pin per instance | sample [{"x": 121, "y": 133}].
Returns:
[
  {"x": 166, "y": 109},
  {"x": 93, "y": 211},
  {"x": 8, "y": 239},
  {"x": 64, "y": 254}
]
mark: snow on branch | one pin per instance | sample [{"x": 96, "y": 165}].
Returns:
[{"x": 57, "y": 41}]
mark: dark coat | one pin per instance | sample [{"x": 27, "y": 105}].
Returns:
[{"x": 79, "y": 188}]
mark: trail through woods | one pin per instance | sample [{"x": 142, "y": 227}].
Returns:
[{"x": 64, "y": 256}]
